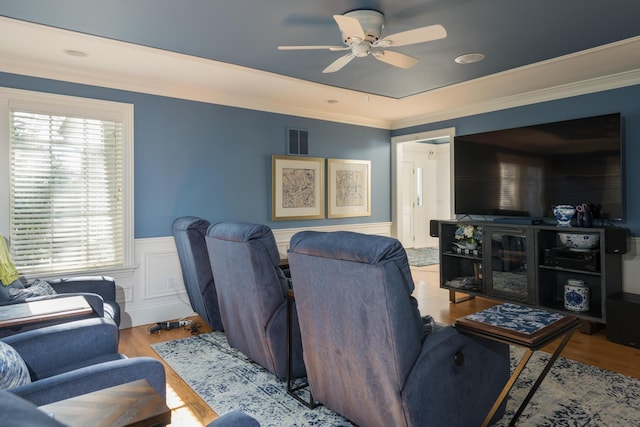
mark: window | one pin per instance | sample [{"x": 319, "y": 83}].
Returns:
[{"x": 69, "y": 199}]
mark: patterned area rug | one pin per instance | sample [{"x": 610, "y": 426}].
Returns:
[
  {"x": 423, "y": 256},
  {"x": 572, "y": 394}
]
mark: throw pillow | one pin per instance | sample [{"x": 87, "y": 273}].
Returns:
[
  {"x": 37, "y": 288},
  {"x": 40, "y": 287},
  {"x": 13, "y": 371}
]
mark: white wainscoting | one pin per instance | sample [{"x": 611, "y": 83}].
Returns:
[{"x": 155, "y": 292}]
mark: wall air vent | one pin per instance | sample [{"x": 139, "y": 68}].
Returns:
[{"x": 298, "y": 142}]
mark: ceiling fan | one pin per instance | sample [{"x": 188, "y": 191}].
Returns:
[{"x": 361, "y": 31}]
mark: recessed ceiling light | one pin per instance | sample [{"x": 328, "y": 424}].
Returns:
[
  {"x": 469, "y": 58},
  {"x": 76, "y": 53}
]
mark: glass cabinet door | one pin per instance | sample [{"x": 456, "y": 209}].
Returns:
[{"x": 507, "y": 261}]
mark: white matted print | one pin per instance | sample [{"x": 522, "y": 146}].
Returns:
[
  {"x": 297, "y": 187},
  {"x": 349, "y": 188}
]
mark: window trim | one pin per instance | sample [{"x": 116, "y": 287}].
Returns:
[{"x": 86, "y": 107}]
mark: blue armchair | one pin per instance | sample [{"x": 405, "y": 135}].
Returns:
[
  {"x": 367, "y": 354},
  {"x": 74, "y": 358},
  {"x": 189, "y": 234},
  {"x": 252, "y": 295}
]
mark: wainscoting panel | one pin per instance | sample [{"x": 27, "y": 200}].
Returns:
[{"x": 158, "y": 290}]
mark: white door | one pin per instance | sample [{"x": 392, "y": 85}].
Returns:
[
  {"x": 406, "y": 237},
  {"x": 416, "y": 154}
]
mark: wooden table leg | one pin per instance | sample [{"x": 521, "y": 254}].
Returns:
[
  {"x": 541, "y": 377},
  {"x": 516, "y": 373},
  {"x": 507, "y": 387}
]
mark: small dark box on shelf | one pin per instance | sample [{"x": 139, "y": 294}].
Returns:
[
  {"x": 623, "y": 319},
  {"x": 565, "y": 258}
]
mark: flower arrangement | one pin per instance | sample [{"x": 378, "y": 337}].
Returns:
[{"x": 468, "y": 236}]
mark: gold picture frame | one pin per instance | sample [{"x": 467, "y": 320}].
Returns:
[
  {"x": 297, "y": 188},
  {"x": 349, "y": 188}
]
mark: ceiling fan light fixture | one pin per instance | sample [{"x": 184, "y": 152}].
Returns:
[
  {"x": 361, "y": 30},
  {"x": 469, "y": 58}
]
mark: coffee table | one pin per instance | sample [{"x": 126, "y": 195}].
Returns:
[
  {"x": 134, "y": 404},
  {"x": 523, "y": 326}
]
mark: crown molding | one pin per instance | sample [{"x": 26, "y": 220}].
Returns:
[
  {"x": 125, "y": 66},
  {"x": 628, "y": 78}
]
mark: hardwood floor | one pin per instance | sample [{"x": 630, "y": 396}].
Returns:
[{"x": 188, "y": 409}]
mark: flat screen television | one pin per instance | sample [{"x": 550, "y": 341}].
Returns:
[{"x": 524, "y": 172}]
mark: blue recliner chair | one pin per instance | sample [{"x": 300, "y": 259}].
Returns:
[
  {"x": 365, "y": 347},
  {"x": 70, "y": 359},
  {"x": 252, "y": 295},
  {"x": 189, "y": 234}
]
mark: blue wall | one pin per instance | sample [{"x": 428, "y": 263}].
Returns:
[
  {"x": 194, "y": 158},
  {"x": 623, "y": 100}
]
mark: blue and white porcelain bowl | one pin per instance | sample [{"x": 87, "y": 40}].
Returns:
[{"x": 579, "y": 241}]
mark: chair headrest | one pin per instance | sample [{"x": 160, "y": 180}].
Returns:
[
  {"x": 186, "y": 223},
  {"x": 238, "y": 231},
  {"x": 244, "y": 232},
  {"x": 348, "y": 246}
]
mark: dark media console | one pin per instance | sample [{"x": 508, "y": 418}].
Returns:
[{"x": 528, "y": 264}]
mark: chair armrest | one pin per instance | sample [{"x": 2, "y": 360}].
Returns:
[
  {"x": 54, "y": 347},
  {"x": 92, "y": 378},
  {"x": 441, "y": 381},
  {"x": 101, "y": 285}
]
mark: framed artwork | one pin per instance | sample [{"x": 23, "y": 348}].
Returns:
[
  {"x": 349, "y": 188},
  {"x": 297, "y": 187}
]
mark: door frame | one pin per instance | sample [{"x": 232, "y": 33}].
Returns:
[{"x": 397, "y": 157}]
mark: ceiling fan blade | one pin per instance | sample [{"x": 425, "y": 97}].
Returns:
[
  {"x": 417, "y": 35},
  {"x": 349, "y": 26},
  {"x": 312, "y": 47},
  {"x": 339, "y": 63},
  {"x": 396, "y": 59}
]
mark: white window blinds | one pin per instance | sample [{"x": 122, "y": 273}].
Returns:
[{"x": 66, "y": 184}]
